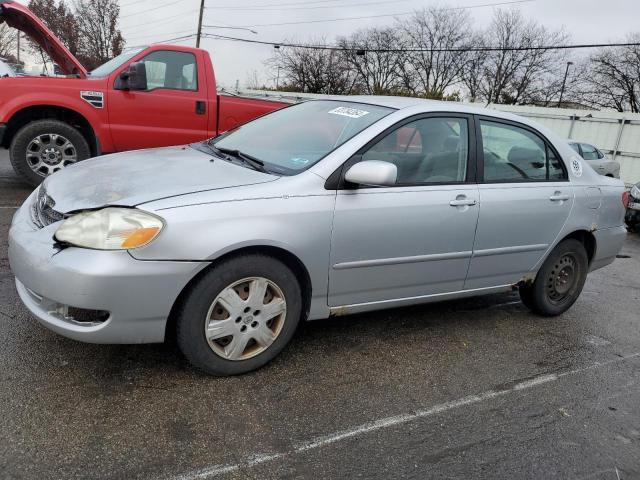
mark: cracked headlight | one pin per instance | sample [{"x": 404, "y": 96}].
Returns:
[{"x": 111, "y": 228}]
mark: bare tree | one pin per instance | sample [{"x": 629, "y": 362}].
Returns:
[
  {"x": 376, "y": 56},
  {"x": 614, "y": 80},
  {"x": 431, "y": 71},
  {"x": 97, "y": 22},
  {"x": 7, "y": 41},
  {"x": 519, "y": 67},
  {"x": 474, "y": 68},
  {"x": 60, "y": 19},
  {"x": 312, "y": 70}
]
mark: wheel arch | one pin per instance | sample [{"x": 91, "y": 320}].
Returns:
[
  {"x": 285, "y": 256},
  {"x": 32, "y": 113},
  {"x": 587, "y": 239}
]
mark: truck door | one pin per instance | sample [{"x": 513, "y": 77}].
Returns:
[{"x": 172, "y": 111}]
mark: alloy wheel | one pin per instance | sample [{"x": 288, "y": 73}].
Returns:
[{"x": 50, "y": 152}]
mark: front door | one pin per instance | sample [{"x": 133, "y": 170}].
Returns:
[
  {"x": 172, "y": 111},
  {"x": 525, "y": 200},
  {"x": 415, "y": 238}
]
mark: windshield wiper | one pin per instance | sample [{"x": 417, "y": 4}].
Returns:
[
  {"x": 250, "y": 160},
  {"x": 215, "y": 150}
]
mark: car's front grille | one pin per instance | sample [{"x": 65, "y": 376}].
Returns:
[{"x": 42, "y": 212}]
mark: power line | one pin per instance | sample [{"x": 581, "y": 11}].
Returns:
[
  {"x": 151, "y": 35},
  {"x": 270, "y": 9},
  {"x": 341, "y": 19},
  {"x": 171, "y": 19},
  {"x": 412, "y": 49},
  {"x": 131, "y": 3},
  {"x": 147, "y": 10},
  {"x": 175, "y": 39},
  {"x": 283, "y": 4}
]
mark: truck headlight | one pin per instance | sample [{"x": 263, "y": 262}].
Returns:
[
  {"x": 635, "y": 192},
  {"x": 111, "y": 228}
]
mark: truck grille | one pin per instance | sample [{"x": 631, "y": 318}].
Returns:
[{"x": 42, "y": 212}]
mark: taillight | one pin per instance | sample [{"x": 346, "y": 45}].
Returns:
[{"x": 625, "y": 199}]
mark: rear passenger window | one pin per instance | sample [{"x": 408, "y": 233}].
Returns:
[
  {"x": 513, "y": 154},
  {"x": 430, "y": 150},
  {"x": 589, "y": 152}
]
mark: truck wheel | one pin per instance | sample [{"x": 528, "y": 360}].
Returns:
[
  {"x": 239, "y": 315},
  {"x": 44, "y": 147},
  {"x": 559, "y": 281}
]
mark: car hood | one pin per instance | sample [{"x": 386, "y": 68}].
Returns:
[
  {"x": 132, "y": 178},
  {"x": 21, "y": 18}
]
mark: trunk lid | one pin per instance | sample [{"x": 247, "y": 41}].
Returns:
[
  {"x": 132, "y": 178},
  {"x": 21, "y": 18}
]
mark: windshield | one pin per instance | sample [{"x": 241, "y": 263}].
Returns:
[
  {"x": 107, "y": 68},
  {"x": 291, "y": 140}
]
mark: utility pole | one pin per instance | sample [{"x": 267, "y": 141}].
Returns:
[
  {"x": 200, "y": 24},
  {"x": 18, "y": 43},
  {"x": 564, "y": 82}
]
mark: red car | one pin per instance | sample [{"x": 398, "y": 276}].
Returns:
[{"x": 152, "y": 96}]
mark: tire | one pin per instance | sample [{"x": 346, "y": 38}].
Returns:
[
  {"x": 203, "y": 306},
  {"x": 559, "y": 281},
  {"x": 65, "y": 142}
]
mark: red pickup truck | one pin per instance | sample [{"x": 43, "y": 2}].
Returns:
[{"x": 152, "y": 96}]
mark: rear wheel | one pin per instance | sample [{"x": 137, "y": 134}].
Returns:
[
  {"x": 559, "y": 281},
  {"x": 239, "y": 315},
  {"x": 44, "y": 147}
]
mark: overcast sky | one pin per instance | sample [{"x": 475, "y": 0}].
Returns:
[{"x": 148, "y": 21}]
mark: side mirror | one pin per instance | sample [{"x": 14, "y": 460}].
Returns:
[
  {"x": 374, "y": 173},
  {"x": 133, "y": 78}
]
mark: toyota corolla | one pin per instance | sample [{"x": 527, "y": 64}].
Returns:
[{"x": 324, "y": 208}]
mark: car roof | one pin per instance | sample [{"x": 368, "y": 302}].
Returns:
[{"x": 401, "y": 103}]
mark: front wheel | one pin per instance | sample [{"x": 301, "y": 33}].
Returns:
[
  {"x": 239, "y": 315},
  {"x": 559, "y": 281},
  {"x": 44, "y": 147}
]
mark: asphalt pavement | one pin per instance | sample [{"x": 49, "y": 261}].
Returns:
[{"x": 479, "y": 388}]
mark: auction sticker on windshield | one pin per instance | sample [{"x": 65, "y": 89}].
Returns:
[{"x": 349, "y": 112}]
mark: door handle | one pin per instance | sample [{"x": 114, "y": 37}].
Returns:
[
  {"x": 559, "y": 197},
  {"x": 201, "y": 107},
  {"x": 462, "y": 202}
]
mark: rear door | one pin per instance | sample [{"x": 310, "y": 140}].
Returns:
[
  {"x": 415, "y": 238},
  {"x": 525, "y": 200},
  {"x": 172, "y": 111}
]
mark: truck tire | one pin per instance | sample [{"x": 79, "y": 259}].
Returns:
[
  {"x": 559, "y": 281},
  {"x": 239, "y": 315},
  {"x": 43, "y": 147}
]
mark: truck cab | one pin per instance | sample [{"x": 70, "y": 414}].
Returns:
[{"x": 153, "y": 96}]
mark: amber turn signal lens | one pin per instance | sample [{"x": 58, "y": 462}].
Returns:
[{"x": 140, "y": 237}]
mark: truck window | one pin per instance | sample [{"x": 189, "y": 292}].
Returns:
[{"x": 172, "y": 70}]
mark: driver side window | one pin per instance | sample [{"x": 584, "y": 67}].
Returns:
[
  {"x": 427, "y": 151},
  {"x": 513, "y": 154},
  {"x": 172, "y": 70}
]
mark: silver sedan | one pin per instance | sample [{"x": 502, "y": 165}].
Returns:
[
  {"x": 324, "y": 208},
  {"x": 597, "y": 160}
]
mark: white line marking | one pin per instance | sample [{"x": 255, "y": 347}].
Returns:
[
  {"x": 536, "y": 381},
  {"x": 318, "y": 442},
  {"x": 9, "y": 208}
]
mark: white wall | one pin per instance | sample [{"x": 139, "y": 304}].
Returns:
[{"x": 617, "y": 134}]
